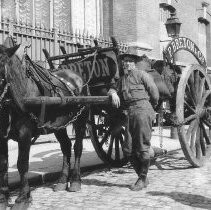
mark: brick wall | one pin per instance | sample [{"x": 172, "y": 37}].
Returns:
[
  {"x": 124, "y": 20},
  {"x": 137, "y": 21},
  {"x": 188, "y": 15},
  {"x": 148, "y": 25}
]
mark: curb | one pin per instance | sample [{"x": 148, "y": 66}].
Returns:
[
  {"x": 13, "y": 145},
  {"x": 40, "y": 179},
  {"x": 52, "y": 176}
]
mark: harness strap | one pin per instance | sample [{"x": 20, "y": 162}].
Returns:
[
  {"x": 62, "y": 97},
  {"x": 42, "y": 113}
]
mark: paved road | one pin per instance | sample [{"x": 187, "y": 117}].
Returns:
[{"x": 173, "y": 185}]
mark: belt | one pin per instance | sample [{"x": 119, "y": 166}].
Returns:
[
  {"x": 127, "y": 105},
  {"x": 134, "y": 103}
]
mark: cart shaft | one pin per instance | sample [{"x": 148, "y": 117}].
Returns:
[{"x": 68, "y": 100}]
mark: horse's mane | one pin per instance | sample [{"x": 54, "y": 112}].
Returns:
[
  {"x": 2, "y": 48},
  {"x": 3, "y": 55}
]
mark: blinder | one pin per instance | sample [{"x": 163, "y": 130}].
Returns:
[{"x": 4, "y": 85}]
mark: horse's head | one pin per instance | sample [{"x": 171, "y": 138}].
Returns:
[{"x": 5, "y": 62}]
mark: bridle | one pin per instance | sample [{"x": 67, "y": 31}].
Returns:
[
  {"x": 6, "y": 87},
  {"x": 4, "y": 92}
]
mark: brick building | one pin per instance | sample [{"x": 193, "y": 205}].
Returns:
[
  {"x": 143, "y": 22},
  {"x": 137, "y": 22}
]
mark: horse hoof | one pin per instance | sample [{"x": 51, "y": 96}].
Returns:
[
  {"x": 74, "y": 187},
  {"x": 60, "y": 187},
  {"x": 23, "y": 199},
  {"x": 22, "y": 205}
]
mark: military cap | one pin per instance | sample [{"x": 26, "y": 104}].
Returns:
[{"x": 131, "y": 53}]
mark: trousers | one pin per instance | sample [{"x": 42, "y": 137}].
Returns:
[{"x": 138, "y": 132}]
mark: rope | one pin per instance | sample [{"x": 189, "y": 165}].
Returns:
[{"x": 93, "y": 67}]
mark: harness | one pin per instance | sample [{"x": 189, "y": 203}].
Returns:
[{"x": 45, "y": 81}]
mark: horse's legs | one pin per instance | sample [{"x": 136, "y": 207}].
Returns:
[
  {"x": 24, "y": 144},
  {"x": 65, "y": 144},
  {"x": 4, "y": 190},
  {"x": 80, "y": 128}
]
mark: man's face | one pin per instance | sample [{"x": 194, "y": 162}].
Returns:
[{"x": 128, "y": 64}]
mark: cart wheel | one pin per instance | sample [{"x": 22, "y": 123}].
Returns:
[
  {"x": 193, "y": 114},
  {"x": 106, "y": 140}
]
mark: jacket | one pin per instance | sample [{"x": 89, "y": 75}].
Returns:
[{"x": 136, "y": 86}]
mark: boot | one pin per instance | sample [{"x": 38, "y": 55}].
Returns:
[
  {"x": 135, "y": 163},
  {"x": 142, "y": 180},
  {"x": 140, "y": 183}
]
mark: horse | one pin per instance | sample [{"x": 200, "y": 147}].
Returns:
[{"x": 20, "y": 76}]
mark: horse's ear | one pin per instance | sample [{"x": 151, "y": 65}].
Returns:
[
  {"x": 11, "y": 51},
  {"x": 9, "y": 42}
]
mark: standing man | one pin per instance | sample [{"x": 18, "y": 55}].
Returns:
[{"x": 136, "y": 90}]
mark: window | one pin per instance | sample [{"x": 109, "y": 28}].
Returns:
[
  {"x": 34, "y": 12},
  {"x": 8, "y": 9},
  {"x": 25, "y": 14},
  {"x": 64, "y": 15},
  {"x": 87, "y": 16},
  {"x": 42, "y": 13},
  {"x": 61, "y": 15}
]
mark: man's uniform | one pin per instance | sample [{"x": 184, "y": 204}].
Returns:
[{"x": 137, "y": 90}]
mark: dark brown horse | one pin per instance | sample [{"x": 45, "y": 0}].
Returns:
[{"x": 20, "y": 77}]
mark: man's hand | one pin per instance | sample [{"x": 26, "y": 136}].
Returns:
[{"x": 115, "y": 100}]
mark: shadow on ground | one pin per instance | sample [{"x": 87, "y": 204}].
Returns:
[
  {"x": 48, "y": 166},
  {"x": 173, "y": 160},
  {"x": 192, "y": 200},
  {"x": 100, "y": 183}
]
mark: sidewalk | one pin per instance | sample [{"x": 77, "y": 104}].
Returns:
[{"x": 46, "y": 158}]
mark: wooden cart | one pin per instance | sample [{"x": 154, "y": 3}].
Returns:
[
  {"x": 192, "y": 108},
  {"x": 192, "y": 103}
]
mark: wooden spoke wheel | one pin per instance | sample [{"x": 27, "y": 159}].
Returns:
[
  {"x": 107, "y": 136},
  {"x": 193, "y": 111}
]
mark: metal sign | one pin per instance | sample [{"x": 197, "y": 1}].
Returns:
[{"x": 184, "y": 43}]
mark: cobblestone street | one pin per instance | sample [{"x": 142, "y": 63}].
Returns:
[{"x": 173, "y": 185}]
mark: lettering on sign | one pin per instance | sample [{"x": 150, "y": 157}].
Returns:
[
  {"x": 101, "y": 70},
  {"x": 84, "y": 68},
  {"x": 183, "y": 43}
]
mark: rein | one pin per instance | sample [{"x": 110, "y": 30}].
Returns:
[
  {"x": 4, "y": 92},
  {"x": 93, "y": 66}
]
